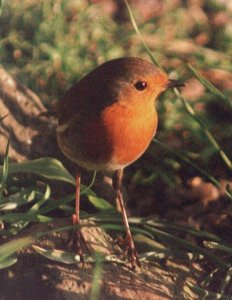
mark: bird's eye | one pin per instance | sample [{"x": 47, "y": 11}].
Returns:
[{"x": 140, "y": 85}]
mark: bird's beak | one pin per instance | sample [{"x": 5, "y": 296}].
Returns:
[{"x": 171, "y": 83}]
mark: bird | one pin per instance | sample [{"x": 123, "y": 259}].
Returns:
[{"x": 107, "y": 120}]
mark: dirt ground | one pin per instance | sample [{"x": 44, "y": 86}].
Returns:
[{"x": 37, "y": 277}]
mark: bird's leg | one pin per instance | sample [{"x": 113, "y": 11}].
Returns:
[
  {"x": 76, "y": 216},
  {"x": 117, "y": 183},
  {"x": 78, "y": 239}
]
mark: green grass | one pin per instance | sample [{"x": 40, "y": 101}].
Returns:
[{"x": 51, "y": 44}]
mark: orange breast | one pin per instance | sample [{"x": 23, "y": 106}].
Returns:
[
  {"x": 129, "y": 131},
  {"x": 113, "y": 140}
]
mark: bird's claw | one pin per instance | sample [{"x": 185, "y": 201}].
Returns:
[
  {"x": 77, "y": 241},
  {"x": 130, "y": 251},
  {"x": 133, "y": 255}
]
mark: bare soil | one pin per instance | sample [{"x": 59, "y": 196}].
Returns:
[{"x": 37, "y": 277}]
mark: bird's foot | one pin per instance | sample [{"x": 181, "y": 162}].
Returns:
[
  {"x": 130, "y": 251},
  {"x": 77, "y": 241},
  {"x": 133, "y": 255}
]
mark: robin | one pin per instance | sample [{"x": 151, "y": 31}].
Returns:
[{"x": 107, "y": 120}]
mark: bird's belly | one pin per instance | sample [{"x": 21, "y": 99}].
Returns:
[
  {"x": 122, "y": 136},
  {"x": 130, "y": 139},
  {"x": 111, "y": 142}
]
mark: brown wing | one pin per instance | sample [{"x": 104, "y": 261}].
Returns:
[
  {"x": 71, "y": 104},
  {"x": 87, "y": 97}
]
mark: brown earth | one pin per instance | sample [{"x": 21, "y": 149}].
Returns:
[{"x": 36, "y": 277}]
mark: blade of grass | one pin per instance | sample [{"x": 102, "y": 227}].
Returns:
[
  {"x": 145, "y": 245},
  {"x": 217, "y": 246},
  {"x": 5, "y": 171},
  {"x": 115, "y": 218},
  {"x": 210, "y": 137},
  {"x": 1, "y": 5},
  {"x": 87, "y": 189},
  {"x": 9, "y": 261},
  {"x": 208, "y": 279},
  {"x": 19, "y": 199},
  {"x": 73, "y": 258},
  {"x": 133, "y": 22},
  {"x": 53, "y": 205},
  {"x": 17, "y": 226},
  {"x": 121, "y": 228},
  {"x": 184, "y": 244},
  {"x": 153, "y": 255},
  {"x": 8, "y": 249},
  {"x": 189, "y": 162},
  {"x": 204, "y": 294},
  {"x": 226, "y": 281},
  {"x": 209, "y": 86},
  {"x": 46, "y": 167},
  {"x": 44, "y": 198},
  {"x": 100, "y": 203},
  {"x": 14, "y": 217},
  {"x": 56, "y": 255},
  {"x": 186, "y": 229},
  {"x": 97, "y": 276}
]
